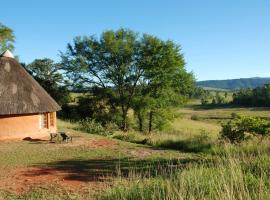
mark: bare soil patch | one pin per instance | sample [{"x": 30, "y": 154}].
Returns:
[
  {"x": 22, "y": 180},
  {"x": 140, "y": 153}
]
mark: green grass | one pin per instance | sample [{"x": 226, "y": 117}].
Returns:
[
  {"x": 186, "y": 161},
  {"x": 225, "y": 177},
  {"x": 234, "y": 171},
  {"x": 81, "y": 158}
]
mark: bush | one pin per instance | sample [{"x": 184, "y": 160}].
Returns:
[
  {"x": 111, "y": 127},
  {"x": 91, "y": 126},
  {"x": 234, "y": 115},
  {"x": 204, "y": 101},
  {"x": 69, "y": 112},
  {"x": 237, "y": 129},
  {"x": 194, "y": 117},
  {"x": 231, "y": 132}
]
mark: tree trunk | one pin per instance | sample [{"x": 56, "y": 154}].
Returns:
[
  {"x": 140, "y": 118},
  {"x": 150, "y": 121},
  {"x": 124, "y": 120}
]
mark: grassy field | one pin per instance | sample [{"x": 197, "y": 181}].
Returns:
[
  {"x": 39, "y": 169},
  {"x": 186, "y": 162}
]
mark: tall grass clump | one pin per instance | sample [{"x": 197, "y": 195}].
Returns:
[
  {"x": 230, "y": 177},
  {"x": 131, "y": 136},
  {"x": 196, "y": 143},
  {"x": 176, "y": 141}
]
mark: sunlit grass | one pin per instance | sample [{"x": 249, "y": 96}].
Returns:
[
  {"x": 186, "y": 161},
  {"x": 227, "y": 176},
  {"x": 189, "y": 127}
]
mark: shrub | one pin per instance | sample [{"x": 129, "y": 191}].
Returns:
[
  {"x": 111, "y": 127},
  {"x": 91, "y": 126},
  {"x": 69, "y": 112},
  {"x": 237, "y": 129},
  {"x": 204, "y": 101},
  {"x": 194, "y": 117},
  {"x": 231, "y": 132},
  {"x": 234, "y": 115}
]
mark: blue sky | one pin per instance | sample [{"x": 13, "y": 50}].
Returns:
[{"x": 220, "y": 39}]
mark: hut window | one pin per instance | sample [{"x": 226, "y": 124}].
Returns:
[
  {"x": 51, "y": 119},
  {"x": 43, "y": 123}
]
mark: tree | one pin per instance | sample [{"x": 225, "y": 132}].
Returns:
[
  {"x": 126, "y": 64},
  {"x": 7, "y": 38},
  {"x": 219, "y": 98},
  {"x": 226, "y": 95},
  {"x": 48, "y": 74},
  {"x": 165, "y": 81},
  {"x": 253, "y": 97}
]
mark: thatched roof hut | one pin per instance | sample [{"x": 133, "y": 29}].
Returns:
[
  {"x": 21, "y": 96},
  {"x": 19, "y": 92}
]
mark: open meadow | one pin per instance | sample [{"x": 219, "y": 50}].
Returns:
[{"x": 185, "y": 162}]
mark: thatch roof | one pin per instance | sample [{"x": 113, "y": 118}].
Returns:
[{"x": 20, "y": 93}]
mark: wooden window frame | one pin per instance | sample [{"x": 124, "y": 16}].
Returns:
[
  {"x": 52, "y": 119},
  {"x": 43, "y": 121}
]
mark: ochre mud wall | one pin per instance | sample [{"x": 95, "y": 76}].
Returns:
[{"x": 21, "y": 126}]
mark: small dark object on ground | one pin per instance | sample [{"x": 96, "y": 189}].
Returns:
[
  {"x": 53, "y": 135},
  {"x": 144, "y": 141},
  {"x": 194, "y": 117},
  {"x": 33, "y": 140},
  {"x": 65, "y": 137},
  {"x": 27, "y": 139}
]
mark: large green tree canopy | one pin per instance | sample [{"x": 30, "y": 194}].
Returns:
[
  {"x": 127, "y": 63},
  {"x": 7, "y": 38},
  {"x": 49, "y": 75}
]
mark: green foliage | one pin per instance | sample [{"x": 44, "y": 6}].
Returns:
[
  {"x": 111, "y": 127},
  {"x": 232, "y": 132},
  {"x": 199, "y": 92},
  {"x": 219, "y": 99},
  {"x": 69, "y": 112},
  {"x": 162, "y": 119},
  {"x": 7, "y": 38},
  {"x": 130, "y": 67},
  {"x": 253, "y": 97},
  {"x": 237, "y": 129},
  {"x": 204, "y": 100},
  {"x": 194, "y": 117},
  {"x": 49, "y": 75},
  {"x": 234, "y": 115},
  {"x": 91, "y": 126},
  {"x": 90, "y": 106}
]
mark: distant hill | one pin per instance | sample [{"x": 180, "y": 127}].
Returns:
[{"x": 234, "y": 84}]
